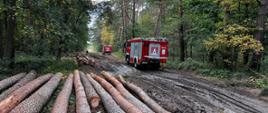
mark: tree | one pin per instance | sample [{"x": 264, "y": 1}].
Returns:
[
  {"x": 181, "y": 35},
  {"x": 133, "y": 17},
  {"x": 10, "y": 25},
  {"x": 260, "y": 26}
]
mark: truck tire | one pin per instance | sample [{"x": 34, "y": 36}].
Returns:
[
  {"x": 127, "y": 60},
  {"x": 136, "y": 65},
  {"x": 156, "y": 66}
]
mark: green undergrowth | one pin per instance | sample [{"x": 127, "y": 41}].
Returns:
[
  {"x": 42, "y": 65},
  {"x": 209, "y": 70},
  {"x": 118, "y": 54}
]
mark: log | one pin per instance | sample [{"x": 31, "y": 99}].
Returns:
[
  {"x": 61, "y": 103},
  {"x": 18, "y": 95},
  {"x": 37, "y": 100},
  {"x": 132, "y": 99},
  {"x": 92, "y": 97},
  {"x": 82, "y": 105},
  {"x": 10, "y": 81},
  {"x": 84, "y": 59},
  {"x": 29, "y": 77},
  {"x": 144, "y": 97},
  {"x": 108, "y": 102},
  {"x": 123, "y": 103}
]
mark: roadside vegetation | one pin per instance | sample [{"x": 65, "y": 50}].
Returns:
[{"x": 224, "y": 39}]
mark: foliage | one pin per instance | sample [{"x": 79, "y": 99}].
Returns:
[
  {"x": 190, "y": 64},
  {"x": 42, "y": 65},
  {"x": 106, "y": 35},
  {"x": 119, "y": 54},
  {"x": 262, "y": 83},
  {"x": 232, "y": 42},
  {"x": 50, "y": 27}
]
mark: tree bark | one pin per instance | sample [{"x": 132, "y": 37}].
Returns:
[
  {"x": 61, "y": 103},
  {"x": 29, "y": 77},
  {"x": 181, "y": 29},
  {"x": 260, "y": 23},
  {"x": 125, "y": 19},
  {"x": 82, "y": 105},
  {"x": 123, "y": 103},
  {"x": 92, "y": 97},
  {"x": 9, "y": 51},
  {"x": 36, "y": 101},
  {"x": 159, "y": 20},
  {"x": 145, "y": 98},
  {"x": 18, "y": 95},
  {"x": 11, "y": 80},
  {"x": 1, "y": 38},
  {"x": 119, "y": 86},
  {"x": 108, "y": 102},
  {"x": 133, "y": 18}
]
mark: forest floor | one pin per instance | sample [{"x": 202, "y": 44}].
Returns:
[{"x": 182, "y": 92}]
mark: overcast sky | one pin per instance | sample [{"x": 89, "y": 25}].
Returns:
[{"x": 97, "y": 1}]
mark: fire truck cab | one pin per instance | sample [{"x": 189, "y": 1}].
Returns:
[
  {"x": 106, "y": 49},
  {"x": 146, "y": 51}
]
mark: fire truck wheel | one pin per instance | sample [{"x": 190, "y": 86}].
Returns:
[
  {"x": 136, "y": 65},
  {"x": 156, "y": 66},
  {"x": 127, "y": 59}
]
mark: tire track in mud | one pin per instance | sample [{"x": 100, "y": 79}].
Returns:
[
  {"x": 180, "y": 93},
  {"x": 227, "y": 101}
]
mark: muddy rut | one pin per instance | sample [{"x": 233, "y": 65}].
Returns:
[{"x": 181, "y": 93}]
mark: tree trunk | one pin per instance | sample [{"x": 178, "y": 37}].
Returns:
[
  {"x": 36, "y": 101},
  {"x": 82, "y": 105},
  {"x": 11, "y": 80},
  {"x": 29, "y": 77},
  {"x": 125, "y": 19},
  {"x": 226, "y": 14},
  {"x": 61, "y": 103},
  {"x": 59, "y": 51},
  {"x": 9, "y": 51},
  {"x": 18, "y": 95},
  {"x": 181, "y": 38},
  {"x": 260, "y": 23},
  {"x": 123, "y": 103},
  {"x": 1, "y": 38},
  {"x": 92, "y": 97},
  {"x": 133, "y": 18},
  {"x": 119, "y": 86},
  {"x": 159, "y": 20},
  {"x": 145, "y": 98},
  {"x": 108, "y": 102}
]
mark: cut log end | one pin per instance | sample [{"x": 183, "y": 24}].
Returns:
[{"x": 94, "y": 102}]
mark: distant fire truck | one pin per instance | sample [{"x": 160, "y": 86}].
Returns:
[
  {"x": 146, "y": 51},
  {"x": 106, "y": 49}
]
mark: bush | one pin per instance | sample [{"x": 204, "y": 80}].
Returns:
[
  {"x": 42, "y": 65},
  {"x": 191, "y": 65},
  {"x": 119, "y": 54},
  {"x": 262, "y": 83},
  {"x": 219, "y": 73},
  {"x": 173, "y": 63}
]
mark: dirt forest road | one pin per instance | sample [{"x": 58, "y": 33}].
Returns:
[{"x": 180, "y": 93}]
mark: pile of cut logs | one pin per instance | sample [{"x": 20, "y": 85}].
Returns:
[
  {"x": 24, "y": 93},
  {"x": 83, "y": 59}
]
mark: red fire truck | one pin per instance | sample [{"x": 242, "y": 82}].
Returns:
[
  {"x": 146, "y": 51},
  {"x": 106, "y": 49}
]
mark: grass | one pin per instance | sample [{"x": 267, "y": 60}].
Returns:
[{"x": 119, "y": 54}]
